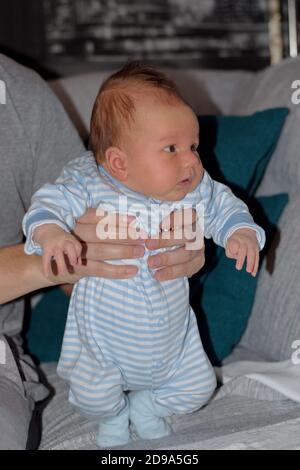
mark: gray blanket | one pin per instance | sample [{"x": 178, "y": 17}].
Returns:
[{"x": 243, "y": 414}]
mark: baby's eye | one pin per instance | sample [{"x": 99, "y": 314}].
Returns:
[{"x": 170, "y": 148}]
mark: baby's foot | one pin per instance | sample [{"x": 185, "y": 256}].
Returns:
[
  {"x": 147, "y": 416},
  {"x": 114, "y": 431}
]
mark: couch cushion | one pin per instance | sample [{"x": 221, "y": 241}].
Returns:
[
  {"x": 274, "y": 323},
  {"x": 283, "y": 171},
  {"x": 268, "y": 88},
  {"x": 207, "y": 92},
  {"x": 228, "y": 421},
  {"x": 235, "y": 150},
  {"x": 46, "y": 325}
]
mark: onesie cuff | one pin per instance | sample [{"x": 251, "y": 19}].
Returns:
[
  {"x": 242, "y": 220},
  {"x": 260, "y": 233},
  {"x": 31, "y": 223}
]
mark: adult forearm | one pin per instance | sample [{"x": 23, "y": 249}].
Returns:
[{"x": 19, "y": 273}]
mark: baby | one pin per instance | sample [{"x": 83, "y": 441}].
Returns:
[{"x": 131, "y": 349}]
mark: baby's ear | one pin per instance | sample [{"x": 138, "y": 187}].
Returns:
[{"x": 116, "y": 163}]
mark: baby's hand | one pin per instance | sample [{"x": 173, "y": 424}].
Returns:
[
  {"x": 56, "y": 243},
  {"x": 243, "y": 244}
]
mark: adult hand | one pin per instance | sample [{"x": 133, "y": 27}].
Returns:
[
  {"x": 181, "y": 261},
  {"x": 96, "y": 252}
]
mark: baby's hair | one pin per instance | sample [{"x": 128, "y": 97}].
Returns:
[{"x": 114, "y": 108}]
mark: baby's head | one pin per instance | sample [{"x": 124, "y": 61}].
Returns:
[{"x": 145, "y": 135}]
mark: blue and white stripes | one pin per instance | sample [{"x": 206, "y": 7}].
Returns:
[{"x": 136, "y": 333}]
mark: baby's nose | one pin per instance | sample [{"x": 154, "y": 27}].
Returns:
[{"x": 190, "y": 157}]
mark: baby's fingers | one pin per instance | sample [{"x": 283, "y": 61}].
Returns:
[
  {"x": 256, "y": 264},
  {"x": 78, "y": 249},
  {"x": 73, "y": 251},
  {"x": 241, "y": 257},
  {"x": 60, "y": 262},
  {"x": 251, "y": 256}
]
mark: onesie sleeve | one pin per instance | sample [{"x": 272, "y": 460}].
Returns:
[
  {"x": 60, "y": 203},
  {"x": 224, "y": 213}
]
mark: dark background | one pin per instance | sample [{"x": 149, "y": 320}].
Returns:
[{"x": 62, "y": 37}]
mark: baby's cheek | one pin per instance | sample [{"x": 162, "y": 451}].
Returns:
[
  {"x": 167, "y": 176},
  {"x": 159, "y": 182}
]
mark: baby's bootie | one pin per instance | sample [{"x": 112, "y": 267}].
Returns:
[
  {"x": 148, "y": 416},
  {"x": 114, "y": 431}
]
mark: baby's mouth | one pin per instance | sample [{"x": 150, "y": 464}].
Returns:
[{"x": 186, "y": 181}]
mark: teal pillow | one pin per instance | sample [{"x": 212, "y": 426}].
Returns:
[
  {"x": 235, "y": 150},
  {"x": 221, "y": 296},
  {"x": 46, "y": 326}
]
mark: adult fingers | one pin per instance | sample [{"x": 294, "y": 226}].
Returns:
[
  {"x": 93, "y": 268},
  {"x": 112, "y": 251},
  {"x": 90, "y": 234},
  {"x": 106, "y": 270},
  {"x": 174, "y": 272},
  {"x": 168, "y": 239},
  {"x": 187, "y": 269},
  {"x": 171, "y": 258}
]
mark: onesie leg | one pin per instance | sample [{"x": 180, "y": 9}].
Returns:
[
  {"x": 148, "y": 416},
  {"x": 114, "y": 431},
  {"x": 191, "y": 381}
]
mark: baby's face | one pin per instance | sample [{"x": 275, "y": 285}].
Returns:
[{"x": 161, "y": 149}]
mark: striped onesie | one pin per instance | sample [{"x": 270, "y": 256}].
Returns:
[{"x": 137, "y": 333}]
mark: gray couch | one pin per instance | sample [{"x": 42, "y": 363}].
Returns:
[{"x": 245, "y": 413}]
